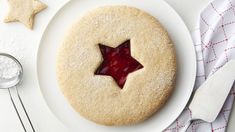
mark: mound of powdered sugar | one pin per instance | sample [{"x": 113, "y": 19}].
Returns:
[{"x": 8, "y": 68}]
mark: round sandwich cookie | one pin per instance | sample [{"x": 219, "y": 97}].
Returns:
[{"x": 116, "y": 65}]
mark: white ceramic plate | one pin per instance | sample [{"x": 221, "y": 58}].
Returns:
[{"x": 70, "y": 13}]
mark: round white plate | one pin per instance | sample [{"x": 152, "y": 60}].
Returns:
[{"x": 70, "y": 13}]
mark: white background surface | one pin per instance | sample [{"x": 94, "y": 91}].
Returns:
[{"x": 22, "y": 43}]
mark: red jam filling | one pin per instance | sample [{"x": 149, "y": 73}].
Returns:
[{"x": 117, "y": 62}]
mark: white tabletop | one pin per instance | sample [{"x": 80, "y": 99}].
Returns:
[{"x": 22, "y": 43}]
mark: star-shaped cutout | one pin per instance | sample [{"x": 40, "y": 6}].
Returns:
[
  {"x": 24, "y": 11},
  {"x": 117, "y": 62}
]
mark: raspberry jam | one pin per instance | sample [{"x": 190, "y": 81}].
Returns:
[{"x": 117, "y": 62}]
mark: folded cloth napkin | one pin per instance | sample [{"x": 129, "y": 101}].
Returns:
[{"x": 214, "y": 40}]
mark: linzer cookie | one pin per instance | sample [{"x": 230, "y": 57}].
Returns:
[{"x": 116, "y": 65}]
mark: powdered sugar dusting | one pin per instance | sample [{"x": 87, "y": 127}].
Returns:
[{"x": 8, "y": 68}]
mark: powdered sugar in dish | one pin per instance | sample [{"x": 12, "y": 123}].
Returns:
[{"x": 8, "y": 68}]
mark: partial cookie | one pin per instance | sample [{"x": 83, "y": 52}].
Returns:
[
  {"x": 24, "y": 11},
  {"x": 135, "y": 39}
]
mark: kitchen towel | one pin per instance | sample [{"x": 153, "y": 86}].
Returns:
[{"x": 214, "y": 41}]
